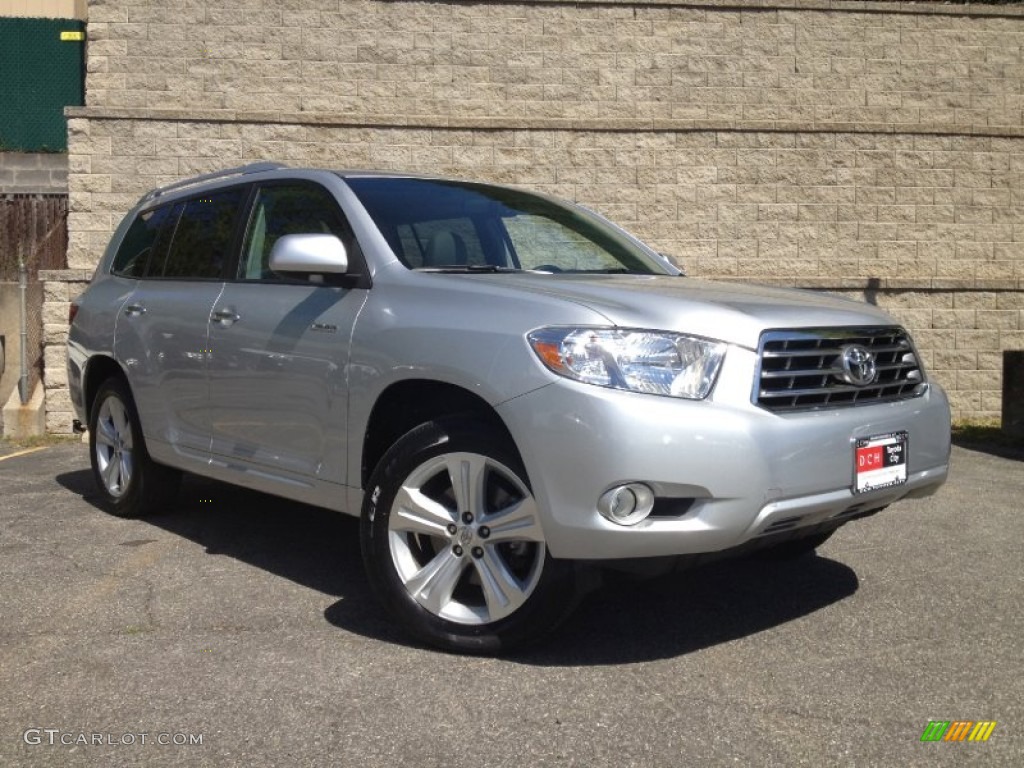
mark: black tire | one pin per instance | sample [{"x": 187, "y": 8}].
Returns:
[
  {"x": 130, "y": 483},
  {"x": 443, "y": 575},
  {"x": 796, "y": 548}
]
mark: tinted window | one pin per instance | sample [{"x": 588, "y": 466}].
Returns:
[
  {"x": 202, "y": 239},
  {"x": 287, "y": 209},
  {"x": 140, "y": 242}
]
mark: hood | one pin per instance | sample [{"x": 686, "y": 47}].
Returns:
[{"x": 732, "y": 312}]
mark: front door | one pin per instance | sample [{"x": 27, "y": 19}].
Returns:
[{"x": 279, "y": 348}]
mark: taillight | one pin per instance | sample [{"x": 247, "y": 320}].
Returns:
[{"x": 72, "y": 311}]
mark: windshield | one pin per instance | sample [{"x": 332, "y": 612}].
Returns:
[{"x": 461, "y": 226}]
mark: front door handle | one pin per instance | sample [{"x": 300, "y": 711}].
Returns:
[
  {"x": 226, "y": 316},
  {"x": 134, "y": 310}
]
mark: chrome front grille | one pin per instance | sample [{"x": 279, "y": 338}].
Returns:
[{"x": 804, "y": 368}]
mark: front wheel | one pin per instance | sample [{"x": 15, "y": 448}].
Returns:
[
  {"x": 131, "y": 484},
  {"x": 453, "y": 543}
]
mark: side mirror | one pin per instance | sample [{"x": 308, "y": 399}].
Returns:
[
  {"x": 674, "y": 262},
  {"x": 309, "y": 254}
]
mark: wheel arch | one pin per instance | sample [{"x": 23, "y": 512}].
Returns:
[
  {"x": 97, "y": 370},
  {"x": 406, "y": 404}
]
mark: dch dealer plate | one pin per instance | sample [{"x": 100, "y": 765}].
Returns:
[{"x": 880, "y": 462}]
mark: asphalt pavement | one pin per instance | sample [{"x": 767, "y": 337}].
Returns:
[{"x": 239, "y": 629}]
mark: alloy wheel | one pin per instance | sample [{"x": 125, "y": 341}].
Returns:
[
  {"x": 114, "y": 451},
  {"x": 465, "y": 538}
]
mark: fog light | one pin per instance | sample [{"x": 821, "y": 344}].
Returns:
[{"x": 626, "y": 504}]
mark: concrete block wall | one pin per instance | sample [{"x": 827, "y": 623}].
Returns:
[
  {"x": 796, "y": 62},
  {"x": 60, "y": 287},
  {"x": 874, "y": 148},
  {"x": 33, "y": 173}
]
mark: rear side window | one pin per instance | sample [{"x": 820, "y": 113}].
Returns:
[
  {"x": 203, "y": 237},
  {"x": 141, "y": 241}
]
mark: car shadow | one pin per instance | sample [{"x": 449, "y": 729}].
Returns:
[
  {"x": 625, "y": 620},
  {"x": 684, "y": 612},
  {"x": 311, "y": 546}
]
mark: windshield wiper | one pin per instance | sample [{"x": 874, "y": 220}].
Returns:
[
  {"x": 490, "y": 268},
  {"x": 610, "y": 271}
]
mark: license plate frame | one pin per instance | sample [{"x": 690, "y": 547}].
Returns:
[{"x": 880, "y": 461}]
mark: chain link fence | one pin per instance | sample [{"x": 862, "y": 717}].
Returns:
[{"x": 33, "y": 237}]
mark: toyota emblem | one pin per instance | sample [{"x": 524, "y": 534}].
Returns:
[{"x": 859, "y": 366}]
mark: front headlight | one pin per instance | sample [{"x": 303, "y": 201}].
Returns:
[{"x": 655, "y": 362}]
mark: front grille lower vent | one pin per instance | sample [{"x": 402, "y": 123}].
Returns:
[
  {"x": 805, "y": 369},
  {"x": 785, "y": 524}
]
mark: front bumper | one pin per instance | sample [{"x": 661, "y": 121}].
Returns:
[{"x": 741, "y": 472}]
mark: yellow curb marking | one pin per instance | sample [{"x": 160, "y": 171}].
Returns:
[{"x": 22, "y": 453}]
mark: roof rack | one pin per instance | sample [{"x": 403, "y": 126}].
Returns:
[{"x": 241, "y": 170}]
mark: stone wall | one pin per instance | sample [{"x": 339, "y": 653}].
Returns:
[
  {"x": 867, "y": 147},
  {"x": 60, "y": 287},
  {"x": 917, "y": 65}
]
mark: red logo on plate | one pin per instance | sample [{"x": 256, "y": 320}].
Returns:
[{"x": 870, "y": 458}]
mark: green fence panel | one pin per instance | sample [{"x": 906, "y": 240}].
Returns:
[{"x": 41, "y": 72}]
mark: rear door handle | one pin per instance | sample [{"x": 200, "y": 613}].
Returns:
[
  {"x": 226, "y": 316},
  {"x": 134, "y": 310}
]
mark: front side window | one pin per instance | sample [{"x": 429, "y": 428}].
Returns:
[
  {"x": 202, "y": 239},
  {"x": 287, "y": 209},
  {"x": 142, "y": 241}
]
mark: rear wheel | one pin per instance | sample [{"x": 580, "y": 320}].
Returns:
[
  {"x": 453, "y": 543},
  {"x": 130, "y": 482}
]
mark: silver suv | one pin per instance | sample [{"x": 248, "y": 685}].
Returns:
[{"x": 503, "y": 385}]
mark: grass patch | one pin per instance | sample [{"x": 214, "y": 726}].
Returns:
[{"x": 42, "y": 441}]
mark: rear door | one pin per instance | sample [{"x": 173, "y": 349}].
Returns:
[
  {"x": 162, "y": 336},
  {"x": 278, "y": 391}
]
